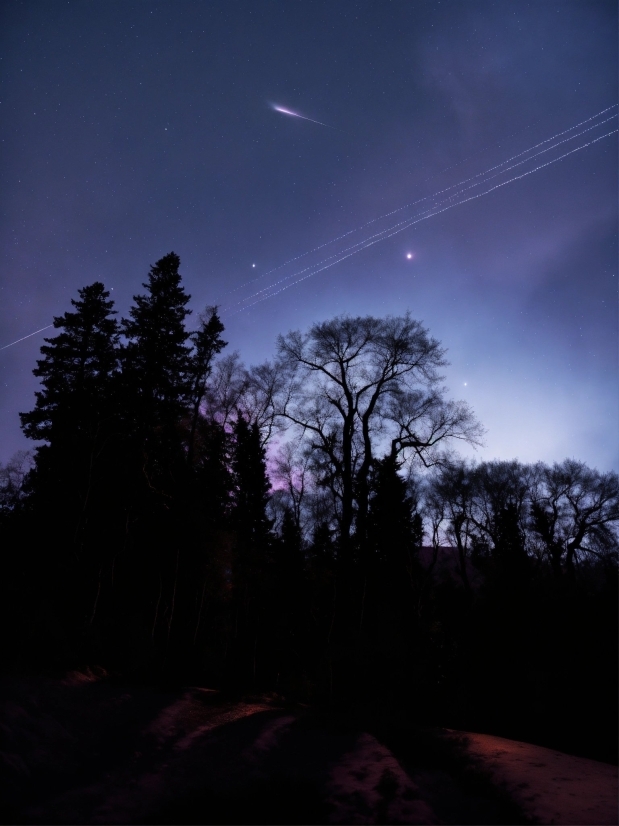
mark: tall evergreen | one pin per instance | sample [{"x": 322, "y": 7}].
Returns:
[
  {"x": 252, "y": 485},
  {"x": 76, "y": 371},
  {"x": 156, "y": 356},
  {"x": 207, "y": 343},
  {"x": 290, "y": 604},
  {"x": 75, "y": 413},
  {"x": 391, "y": 588},
  {"x": 75, "y": 409},
  {"x": 394, "y": 531},
  {"x": 252, "y": 551},
  {"x": 151, "y": 487}
]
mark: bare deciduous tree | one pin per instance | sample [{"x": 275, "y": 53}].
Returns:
[
  {"x": 574, "y": 513},
  {"x": 359, "y": 388},
  {"x": 12, "y": 479}
]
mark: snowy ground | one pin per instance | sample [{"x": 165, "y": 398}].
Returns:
[{"x": 88, "y": 751}]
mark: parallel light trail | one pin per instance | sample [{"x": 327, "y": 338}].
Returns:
[
  {"x": 407, "y": 221},
  {"x": 23, "y": 338},
  {"x": 425, "y": 198},
  {"x": 424, "y": 217},
  {"x": 401, "y": 225}
]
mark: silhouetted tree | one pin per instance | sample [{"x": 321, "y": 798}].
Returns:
[
  {"x": 156, "y": 363},
  {"x": 252, "y": 544},
  {"x": 76, "y": 371},
  {"x": 289, "y": 607},
  {"x": 356, "y": 383},
  {"x": 151, "y": 499},
  {"x": 252, "y": 484},
  {"x": 394, "y": 529},
  {"x": 76, "y": 415},
  {"x": 207, "y": 343},
  {"x": 14, "y": 483},
  {"x": 451, "y": 500},
  {"x": 150, "y": 462},
  {"x": 75, "y": 411},
  {"x": 574, "y": 513}
]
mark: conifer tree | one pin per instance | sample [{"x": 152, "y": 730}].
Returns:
[
  {"x": 156, "y": 356},
  {"x": 290, "y": 604},
  {"x": 207, "y": 343},
  {"x": 76, "y": 371},
  {"x": 289, "y": 559},
  {"x": 394, "y": 532},
  {"x": 252, "y": 485},
  {"x": 151, "y": 489},
  {"x": 74, "y": 411},
  {"x": 75, "y": 414},
  {"x": 253, "y": 540}
]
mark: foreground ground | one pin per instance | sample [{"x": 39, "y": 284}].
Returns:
[{"x": 82, "y": 750}]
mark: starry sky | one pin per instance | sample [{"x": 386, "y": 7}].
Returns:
[{"x": 131, "y": 129}]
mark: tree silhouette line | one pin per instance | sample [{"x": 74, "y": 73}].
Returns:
[{"x": 303, "y": 527}]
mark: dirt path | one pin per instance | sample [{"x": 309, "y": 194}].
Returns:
[
  {"x": 196, "y": 760},
  {"x": 99, "y": 753},
  {"x": 552, "y": 787}
]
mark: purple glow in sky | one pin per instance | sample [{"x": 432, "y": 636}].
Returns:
[{"x": 151, "y": 134}]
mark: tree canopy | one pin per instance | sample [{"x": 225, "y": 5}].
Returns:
[{"x": 361, "y": 388}]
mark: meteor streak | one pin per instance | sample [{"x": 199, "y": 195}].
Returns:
[
  {"x": 297, "y": 115},
  {"x": 23, "y": 338}
]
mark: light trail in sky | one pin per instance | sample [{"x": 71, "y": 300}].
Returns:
[
  {"x": 297, "y": 115},
  {"x": 425, "y": 198},
  {"x": 387, "y": 232},
  {"x": 420, "y": 215},
  {"x": 23, "y": 338},
  {"x": 425, "y": 217},
  {"x": 407, "y": 222}
]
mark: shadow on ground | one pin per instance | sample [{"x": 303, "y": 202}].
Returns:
[{"x": 86, "y": 750}]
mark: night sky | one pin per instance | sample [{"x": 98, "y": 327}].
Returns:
[{"x": 131, "y": 129}]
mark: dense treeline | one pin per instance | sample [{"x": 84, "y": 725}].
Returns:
[{"x": 302, "y": 527}]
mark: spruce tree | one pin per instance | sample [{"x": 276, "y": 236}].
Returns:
[
  {"x": 77, "y": 370},
  {"x": 252, "y": 485},
  {"x": 155, "y": 389},
  {"x": 74, "y": 471},
  {"x": 75, "y": 409},
  {"x": 290, "y": 603},
  {"x": 156, "y": 356},
  {"x": 252, "y": 551},
  {"x": 207, "y": 342},
  {"x": 394, "y": 533}
]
